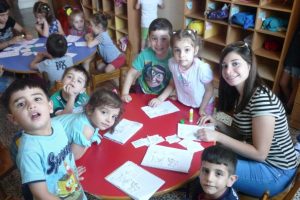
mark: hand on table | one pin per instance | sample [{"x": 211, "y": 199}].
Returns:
[
  {"x": 206, "y": 134},
  {"x": 155, "y": 102},
  {"x": 126, "y": 98}
]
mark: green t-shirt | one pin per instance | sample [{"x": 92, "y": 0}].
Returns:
[
  {"x": 155, "y": 73},
  {"x": 59, "y": 103}
]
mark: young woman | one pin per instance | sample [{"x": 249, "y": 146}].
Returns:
[{"x": 259, "y": 132}]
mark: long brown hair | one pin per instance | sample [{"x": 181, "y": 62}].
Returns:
[{"x": 228, "y": 95}]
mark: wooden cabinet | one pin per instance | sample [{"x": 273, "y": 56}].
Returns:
[
  {"x": 218, "y": 33},
  {"x": 295, "y": 116},
  {"x": 124, "y": 19}
]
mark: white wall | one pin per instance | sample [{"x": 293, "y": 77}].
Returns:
[
  {"x": 25, "y": 3},
  {"x": 173, "y": 11}
]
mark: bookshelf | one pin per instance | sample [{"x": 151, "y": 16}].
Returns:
[
  {"x": 124, "y": 19},
  {"x": 219, "y": 33}
]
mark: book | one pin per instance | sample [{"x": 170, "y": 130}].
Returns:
[
  {"x": 163, "y": 109},
  {"x": 135, "y": 181},
  {"x": 124, "y": 131},
  {"x": 189, "y": 132},
  {"x": 168, "y": 158}
]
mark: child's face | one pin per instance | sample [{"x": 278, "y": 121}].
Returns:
[
  {"x": 76, "y": 80},
  {"x": 214, "y": 179},
  {"x": 3, "y": 17},
  {"x": 159, "y": 41},
  {"x": 104, "y": 117},
  {"x": 30, "y": 109},
  {"x": 40, "y": 17},
  {"x": 184, "y": 52},
  {"x": 96, "y": 29},
  {"x": 78, "y": 22}
]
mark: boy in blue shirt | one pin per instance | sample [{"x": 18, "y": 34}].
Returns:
[
  {"x": 44, "y": 157},
  {"x": 72, "y": 97},
  {"x": 151, "y": 65},
  {"x": 217, "y": 174},
  {"x": 54, "y": 61}
]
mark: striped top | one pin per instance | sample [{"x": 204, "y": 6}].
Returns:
[{"x": 264, "y": 103}]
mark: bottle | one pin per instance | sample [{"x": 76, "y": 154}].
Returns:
[{"x": 191, "y": 115}]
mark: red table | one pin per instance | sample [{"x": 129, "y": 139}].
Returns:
[{"x": 100, "y": 160}]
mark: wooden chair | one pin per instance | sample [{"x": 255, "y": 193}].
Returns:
[
  {"x": 119, "y": 74},
  {"x": 287, "y": 194},
  {"x": 6, "y": 166}
]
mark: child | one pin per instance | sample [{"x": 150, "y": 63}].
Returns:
[
  {"x": 7, "y": 27},
  {"x": 217, "y": 174},
  {"x": 77, "y": 23},
  {"x": 45, "y": 20},
  {"x": 103, "y": 112},
  {"x": 148, "y": 14},
  {"x": 79, "y": 28},
  {"x": 54, "y": 61},
  {"x": 113, "y": 58},
  {"x": 72, "y": 97},
  {"x": 191, "y": 76},
  {"x": 290, "y": 77},
  {"x": 44, "y": 157},
  {"x": 151, "y": 65}
]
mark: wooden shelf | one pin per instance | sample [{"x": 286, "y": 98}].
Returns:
[{"x": 217, "y": 34}]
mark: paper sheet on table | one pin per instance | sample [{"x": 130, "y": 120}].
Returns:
[
  {"x": 124, "y": 131},
  {"x": 191, "y": 145},
  {"x": 163, "y": 109},
  {"x": 173, "y": 139},
  {"x": 168, "y": 158},
  {"x": 71, "y": 54},
  {"x": 189, "y": 132},
  {"x": 6, "y": 54},
  {"x": 80, "y": 44},
  {"x": 135, "y": 181},
  {"x": 72, "y": 38}
]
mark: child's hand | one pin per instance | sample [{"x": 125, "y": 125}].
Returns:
[
  {"x": 126, "y": 98},
  {"x": 155, "y": 102},
  {"x": 69, "y": 89},
  {"x": 88, "y": 36},
  {"x": 81, "y": 170},
  {"x": 1, "y": 70}
]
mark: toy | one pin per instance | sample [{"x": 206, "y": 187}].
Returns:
[{"x": 197, "y": 26}]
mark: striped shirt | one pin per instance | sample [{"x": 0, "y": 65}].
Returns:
[{"x": 264, "y": 103}]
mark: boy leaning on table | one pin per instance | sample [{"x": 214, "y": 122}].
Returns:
[{"x": 44, "y": 157}]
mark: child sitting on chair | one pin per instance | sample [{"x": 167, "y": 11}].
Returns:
[
  {"x": 217, "y": 174},
  {"x": 44, "y": 155},
  {"x": 7, "y": 27},
  {"x": 103, "y": 112},
  {"x": 72, "y": 97},
  {"x": 46, "y": 24},
  {"x": 112, "y": 57},
  {"x": 54, "y": 61}
]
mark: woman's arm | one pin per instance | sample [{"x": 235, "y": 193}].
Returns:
[
  {"x": 20, "y": 29},
  {"x": 262, "y": 135}
]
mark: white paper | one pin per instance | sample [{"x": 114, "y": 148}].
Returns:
[
  {"x": 72, "y": 38},
  {"x": 39, "y": 45},
  {"x": 28, "y": 42},
  {"x": 71, "y": 54},
  {"x": 168, "y": 158},
  {"x": 172, "y": 139},
  {"x": 163, "y": 109},
  {"x": 135, "y": 181},
  {"x": 191, "y": 145},
  {"x": 80, "y": 44},
  {"x": 6, "y": 54},
  {"x": 155, "y": 139},
  {"x": 124, "y": 131},
  {"x": 189, "y": 132},
  {"x": 140, "y": 142}
]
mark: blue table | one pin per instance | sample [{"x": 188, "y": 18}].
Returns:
[{"x": 20, "y": 64}]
